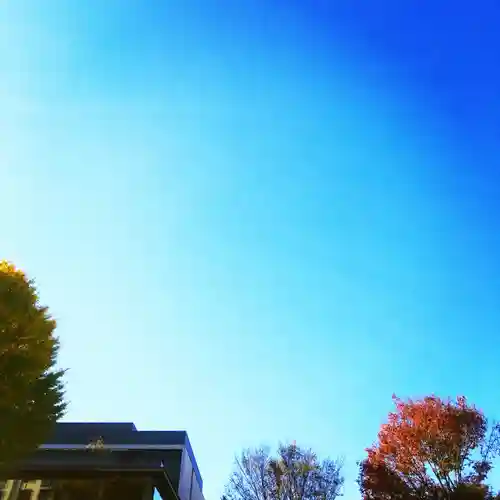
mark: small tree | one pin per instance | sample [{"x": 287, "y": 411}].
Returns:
[
  {"x": 430, "y": 449},
  {"x": 31, "y": 388},
  {"x": 293, "y": 474}
]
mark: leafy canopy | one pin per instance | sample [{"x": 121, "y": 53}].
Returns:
[
  {"x": 294, "y": 474},
  {"x": 31, "y": 388},
  {"x": 430, "y": 448}
]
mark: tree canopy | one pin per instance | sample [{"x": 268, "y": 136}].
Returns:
[
  {"x": 31, "y": 387},
  {"x": 293, "y": 474},
  {"x": 430, "y": 449}
]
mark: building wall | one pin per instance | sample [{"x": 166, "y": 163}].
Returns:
[
  {"x": 186, "y": 478},
  {"x": 25, "y": 490},
  {"x": 41, "y": 490},
  {"x": 196, "y": 491}
]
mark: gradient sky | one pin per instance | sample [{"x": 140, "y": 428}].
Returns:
[{"x": 256, "y": 220}]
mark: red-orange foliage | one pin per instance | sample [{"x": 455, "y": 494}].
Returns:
[{"x": 430, "y": 448}]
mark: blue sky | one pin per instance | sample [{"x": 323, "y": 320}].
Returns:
[{"x": 257, "y": 220}]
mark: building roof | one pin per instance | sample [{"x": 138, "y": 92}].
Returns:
[{"x": 122, "y": 434}]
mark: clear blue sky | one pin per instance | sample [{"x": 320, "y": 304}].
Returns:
[{"x": 256, "y": 220}]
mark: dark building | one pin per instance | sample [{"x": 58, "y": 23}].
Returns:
[{"x": 107, "y": 461}]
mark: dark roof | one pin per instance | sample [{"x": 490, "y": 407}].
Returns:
[{"x": 82, "y": 433}]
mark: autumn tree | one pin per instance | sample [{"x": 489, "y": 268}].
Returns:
[
  {"x": 31, "y": 388},
  {"x": 431, "y": 449},
  {"x": 293, "y": 474}
]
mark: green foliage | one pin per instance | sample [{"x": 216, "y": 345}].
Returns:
[
  {"x": 31, "y": 388},
  {"x": 293, "y": 474}
]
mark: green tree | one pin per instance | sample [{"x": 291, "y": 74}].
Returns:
[
  {"x": 31, "y": 387},
  {"x": 293, "y": 474}
]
